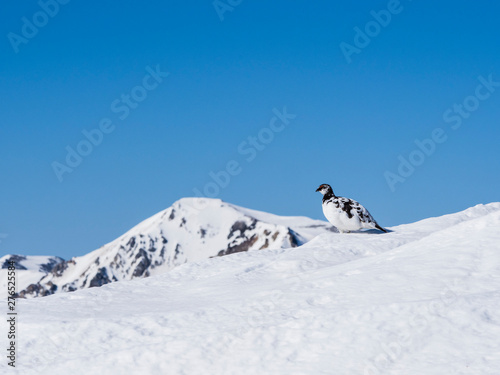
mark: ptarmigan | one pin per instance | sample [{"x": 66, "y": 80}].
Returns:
[{"x": 344, "y": 213}]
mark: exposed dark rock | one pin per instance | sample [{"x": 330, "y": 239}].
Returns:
[
  {"x": 117, "y": 261},
  {"x": 152, "y": 245},
  {"x": 69, "y": 287},
  {"x": 177, "y": 251},
  {"x": 294, "y": 239},
  {"x": 16, "y": 259},
  {"x": 131, "y": 242},
  {"x": 143, "y": 264},
  {"x": 244, "y": 246},
  {"x": 242, "y": 227},
  {"x": 100, "y": 278},
  {"x": 265, "y": 246},
  {"x": 52, "y": 287},
  {"x": 35, "y": 290},
  {"x": 59, "y": 268},
  {"x": 48, "y": 267}
]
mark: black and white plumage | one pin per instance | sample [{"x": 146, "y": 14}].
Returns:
[{"x": 344, "y": 213}]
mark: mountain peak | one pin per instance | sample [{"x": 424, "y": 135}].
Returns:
[{"x": 191, "y": 229}]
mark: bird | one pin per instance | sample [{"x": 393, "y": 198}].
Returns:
[{"x": 346, "y": 214}]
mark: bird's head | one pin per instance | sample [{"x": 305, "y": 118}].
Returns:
[{"x": 325, "y": 189}]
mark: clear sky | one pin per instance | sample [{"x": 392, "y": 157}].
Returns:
[{"x": 371, "y": 84}]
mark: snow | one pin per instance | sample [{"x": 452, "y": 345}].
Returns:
[{"x": 422, "y": 299}]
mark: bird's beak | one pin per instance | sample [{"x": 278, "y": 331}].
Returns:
[{"x": 318, "y": 189}]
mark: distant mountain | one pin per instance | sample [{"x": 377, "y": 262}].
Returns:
[
  {"x": 191, "y": 229},
  {"x": 29, "y": 270}
]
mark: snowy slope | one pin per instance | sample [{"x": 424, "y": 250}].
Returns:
[
  {"x": 423, "y": 299},
  {"x": 30, "y": 269},
  {"x": 192, "y": 229}
]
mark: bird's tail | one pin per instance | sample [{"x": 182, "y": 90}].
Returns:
[{"x": 380, "y": 228}]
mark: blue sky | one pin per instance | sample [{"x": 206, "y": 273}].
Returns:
[{"x": 229, "y": 71}]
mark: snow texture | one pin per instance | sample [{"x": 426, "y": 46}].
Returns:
[{"x": 422, "y": 299}]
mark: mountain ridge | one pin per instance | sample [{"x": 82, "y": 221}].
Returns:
[{"x": 191, "y": 229}]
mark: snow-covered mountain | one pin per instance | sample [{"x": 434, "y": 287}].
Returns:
[
  {"x": 422, "y": 299},
  {"x": 191, "y": 229},
  {"x": 29, "y": 270}
]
